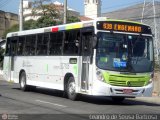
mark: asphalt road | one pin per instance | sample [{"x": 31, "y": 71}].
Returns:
[{"x": 43, "y": 103}]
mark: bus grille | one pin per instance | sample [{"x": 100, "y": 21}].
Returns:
[{"x": 127, "y": 82}]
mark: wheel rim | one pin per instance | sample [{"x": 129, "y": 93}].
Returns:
[
  {"x": 72, "y": 88},
  {"x": 22, "y": 82}
]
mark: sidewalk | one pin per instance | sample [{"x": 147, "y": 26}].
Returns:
[{"x": 154, "y": 100}]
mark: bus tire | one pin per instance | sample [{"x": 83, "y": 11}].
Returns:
[
  {"x": 23, "y": 84},
  {"x": 71, "y": 89},
  {"x": 118, "y": 99}
]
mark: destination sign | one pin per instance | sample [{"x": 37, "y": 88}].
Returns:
[{"x": 123, "y": 27}]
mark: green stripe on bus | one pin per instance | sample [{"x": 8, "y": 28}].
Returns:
[
  {"x": 47, "y": 68},
  {"x": 75, "y": 68}
]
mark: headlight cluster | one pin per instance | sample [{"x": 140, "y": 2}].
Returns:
[
  {"x": 99, "y": 75},
  {"x": 150, "y": 81},
  {"x": 151, "y": 78}
]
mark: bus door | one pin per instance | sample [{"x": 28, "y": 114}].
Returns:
[
  {"x": 13, "y": 53},
  {"x": 87, "y": 34},
  {"x": 9, "y": 58}
]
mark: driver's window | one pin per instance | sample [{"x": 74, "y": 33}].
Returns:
[{"x": 14, "y": 46}]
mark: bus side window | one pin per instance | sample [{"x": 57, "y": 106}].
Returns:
[
  {"x": 14, "y": 41},
  {"x": 71, "y": 42},
  {"x": 30, "y": 45},
  {"x": 51, "y": 45},
  {"x": 58, "y": 44},
  {"x": 55, "y": 47},
  {"x": 20, "y": 47},
  {"x": 42, "y": 44},
  {"x": 8, "y": 47}
]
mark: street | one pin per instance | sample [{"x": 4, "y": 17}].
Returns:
[{"x": 45, "y": 101}]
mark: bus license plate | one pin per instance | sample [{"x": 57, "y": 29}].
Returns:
[{"x": 127, "y": 91}]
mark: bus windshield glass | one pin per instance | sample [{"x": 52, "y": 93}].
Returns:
[{"x": 124, "y": 52}]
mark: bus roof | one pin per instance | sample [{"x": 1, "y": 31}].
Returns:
[{"x": 67, "y": 26}]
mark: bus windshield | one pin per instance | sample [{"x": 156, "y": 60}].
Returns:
[{"x": 124, "y": 52}]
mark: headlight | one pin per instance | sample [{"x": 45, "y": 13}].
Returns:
[
  {"x": 151, "y": 78},
  {"x": 100, "y": 76},
  {"x": 150, "y": 81}
]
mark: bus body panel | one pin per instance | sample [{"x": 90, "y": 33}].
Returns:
[
  {"x": 44, "y": 71},
  {"x": 7, "y": 68},
  {"x": 103, "y": 89}
]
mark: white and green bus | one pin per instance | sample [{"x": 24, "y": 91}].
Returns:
[{"x": 102, "y": 57}]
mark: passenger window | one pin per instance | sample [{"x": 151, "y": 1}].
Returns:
[
  {"x": 20, "y": 47},
  {"x": 8, "y": 47},
  {"x": 14, "y": 45},
  {"x": 71, "y": 42},
  {"x": 30, "y": 45},
  {"x": 42, "y": 44},
  {"x": 55, "y": 47}
]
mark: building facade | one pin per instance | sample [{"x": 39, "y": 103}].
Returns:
[
  {"x": 92, "y": 8},
  {"x": 7, "y": 20}
]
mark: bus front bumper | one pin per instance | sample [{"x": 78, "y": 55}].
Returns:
[{"x": 102, "y": 89}]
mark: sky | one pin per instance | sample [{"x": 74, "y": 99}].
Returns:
[{"x": 107, "y": 5}]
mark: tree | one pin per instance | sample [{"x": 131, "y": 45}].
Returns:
[
  {"x": 72, "y": 19},
  {"x": 49, "y": 14},
  {"x": 30, "y": 24},
  {"x": 45, "y": 21},
  {"x": 40, "y": 8}
]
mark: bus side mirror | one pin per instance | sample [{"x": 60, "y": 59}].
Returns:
[{"x": 94, "y": 41}]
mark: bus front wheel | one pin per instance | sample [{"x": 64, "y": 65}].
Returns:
[
  {"x": 23, "y": 84},
  {"x": 71, "y": 89}
]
